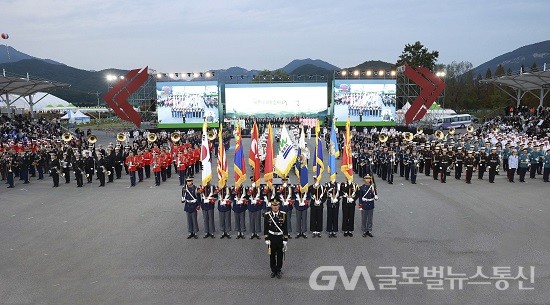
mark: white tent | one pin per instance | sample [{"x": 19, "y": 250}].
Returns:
[
  {"x": 76, "y": 117},
  {"x": 41, "y": 99}
]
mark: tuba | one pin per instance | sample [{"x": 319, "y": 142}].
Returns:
[
  {"x": 439, "y": 135},
  {"x": 212, "y": 134},
  {"x": 419, "y": 130},
  {"x": 92, "y": 139},
  {"x": 121, "y": 137},
  {"x": 408, "y": 136},
  {"x": 152, "y": 137},
  {"x": 66, "y": 137},
  {"x": 495, "y": 129},
  {"x": 382, "y": 138},
  {"x": 175, "y": 137},
  {"x": 470, "y": 129},
  {"x": 452, "y": 131}
]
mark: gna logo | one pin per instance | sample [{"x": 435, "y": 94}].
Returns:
[{"x": 320, "y": 280}]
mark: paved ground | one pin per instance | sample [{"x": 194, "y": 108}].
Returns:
[{"x": 117, "y": 245}]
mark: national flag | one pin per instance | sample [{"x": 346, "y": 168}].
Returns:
[
  {"x": 253, "y": 155},
  {"x": 205, "y": 157},
  {"x": 334, "y": 152},
  {"x": 240, "y": 165},
  {"x": 347, "y": 164},
  {"x": 268, "y": 163},
  {"x": 286, "y": 156},
  {"x": 319, "y": 166},
  {"x": 222, "y": 161}
]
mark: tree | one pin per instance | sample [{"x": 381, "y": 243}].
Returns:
[
  {"x": 500, "y": 70},
  {"x": 534, "y": 67},
  {"x": 488, "y": 74},
  {"x": 418, "y": 55}
]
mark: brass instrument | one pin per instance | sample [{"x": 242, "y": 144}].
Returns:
[
  {"x": 175, "y": 137},
  {"x": 382, "y": 138},
  {"x": 152, "y": 137},
  {"x": 212, "y": 134},
  {"x": 470, "y": 129},
  {"x": 452, "y": 131},
  {"x": 495, "y": 129},
  {"x": 92, "y": 139},
  {"x": 408, "y": 136},
  {"x": 66, "y": 136},
  {"x": 121, "y": 137},
  {"x": 103, "y": 169},
  {"x": 439, "y": 135},
  {"x": 419, "y": 130}
]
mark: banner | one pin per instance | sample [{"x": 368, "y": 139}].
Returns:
[
  {"x": 319, "y": 166},
  {"x": 205, "y": 157},
  {"x": 334, "y": 152},
  {"x": 268, "y": 165},
  {"x": 286, "y": 156},
  {"x": 253, "y": 155},
  {"x": 239, "y": 166},
  {"x": 347, "y": 164},
  {"x": 222, "y": 161}
]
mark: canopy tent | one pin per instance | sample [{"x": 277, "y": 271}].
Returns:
[
  {"x": 76, "y": 117},
  {"x": 44, "y": 102}
]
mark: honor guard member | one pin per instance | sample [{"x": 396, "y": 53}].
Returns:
[
  {"x": 239, "y": 210},
  {"x": 493, "y": 161},
  {"x": 533, "y": 161},
  {"x": 269, "y": 194},
  {"x": 546, "y": 166},
  {"x": 101, "y": 170},
  {"x": 469, "y": 164},
  {"x": 254, "y": 209},
  {"x": 349, "y": 195},
  {"x": 190, "y": 197},
  {"x": 459, "y": 162},
  {"x": 481, "y": 164},
  {"x": 523, "y": 164},
  {"x": 224, "y": 209},
  {"x": 414, "y": 165},
  {"x": 506, "y": 152},
  {"x": 209, "y": 198},
  {"x": 317, "y": 195},
  {"x": 444, "y": 161},
  {"x": 132, "y": 166},
  {"x": 78, "y": 168},
  {"x": 286, "y": 198},
  {"x": 302, "y": 204},
  {"x": 55, "y": 169},
  {"x": 276, "y": 237},
  {"x": 367, "y": 194},
  {"x": 333, "y": 207},
  {"x": 513, "y": 162}
]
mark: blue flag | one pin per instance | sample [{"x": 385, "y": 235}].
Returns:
[{"x": 333, "y": 153}]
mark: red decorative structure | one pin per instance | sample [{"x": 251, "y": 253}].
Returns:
[
  {"x": 117, "y": 97},
  {"x": 431, "y": 87}
]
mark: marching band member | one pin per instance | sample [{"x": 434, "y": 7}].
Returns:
[
  {"x": 209, "y": 198},
  {"x": 110, "y": 164},
  {"x": 254, "y": 209},
  {"x": 436, "y": 159},
  {"x": 444, "y": 161},
  {"x": 78, "y": 168},
  {"x": 55, "y": 169},
  {"x": 224, "y": 209},
  {"x": 534, "y": 160},
  {"x": 407, "y": 164},
  {"x": 190, "y": 197},
  {"x": 147, "y": 158},
  {"x": 101, "y": 170},
  {"x": 470, "y": 164},
  {"x": 89, "y": 164},
  {"x": 523, "y": 164},
  {"x": 180, "y": 166},
  {"x": 119, "y": 162},
  {"x": 302, "y": 204},
  {"x": 131, "y": 164},
  {"x": 546, "y": 166},
  {"x": 66, "y": 168},
  {"x": 367, "y": 194},
  {"x": 333, "y": 207},
  {"x": 276, "y": 237},
  {"x": 286, "y": 197},
  {"x": 414, "y": 165},
  {"x": 493, "y": 161},
  {"x": 168, "y": 162},
  {"x": 349, "y": 192},
  {"x": 459, "y": 161},
  {"x": 239, "y": 209},
  {"x": 317, "y": 195},
  {"x": 163, "y": 165},
  {"x": 139, "y": 165},
  {"x": 481, "y": 164},
  {"x": 427, "y": 156},
  {"x": 156, "y": 165},
  {"x": 10, "y": 165}
]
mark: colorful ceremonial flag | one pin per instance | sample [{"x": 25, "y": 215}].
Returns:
[
  {"x": 268, "y": 164},
  {"x": 253, "y": 155},
  {"x": 334, "y": 152},
  {"x": 286, "y": 156},
  {"x": 240, "y": 165},
  {"x": 301, "y": 150},
  {"x": 319, "y": 166},
  {"x": 205, "y": 157},
  {"x": 347, "y": 164},
  {"x": 222, "y": 161}
]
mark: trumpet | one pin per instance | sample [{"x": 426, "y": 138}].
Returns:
[
  {"x": 152, "y": 137},
  {"x": 121, "y": 137},
  {"x": 92, "y": 139},
  {"x": 66, "y": 137}
]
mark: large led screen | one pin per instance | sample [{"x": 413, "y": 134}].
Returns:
[
  {"x": 180, "y": 104},
  {"x": 280, "y": 99},
  {"x": 365, "y": 100}
]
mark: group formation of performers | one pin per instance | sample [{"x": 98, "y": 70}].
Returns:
[{"x": 255, "y": 200}]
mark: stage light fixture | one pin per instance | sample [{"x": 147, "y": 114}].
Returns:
[
  {"x": 344, "y": 73},
  {"x": 188, "y": 74},
  {"x": 159, "y": 75},
  {"x": 176, "y": 75},
  {"x": 393, "y": 73},
  {"x": 122, "y": 77},
  {"x": 356, "y": 73},
  {"x": 195, "y": 75},
  {"x": 369, "y": 72},
  {"x": 208, "y": 74},
  {"x": 381, "y": 73}
]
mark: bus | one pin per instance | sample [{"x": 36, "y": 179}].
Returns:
[{"x": 456, "y": 121}]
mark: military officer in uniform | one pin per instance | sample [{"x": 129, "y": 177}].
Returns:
[
  {"x": 191, "y": 199},
  {"x": 333, "y": 207},
  {"x": 276, "y": 237},
  {"x": 349, "y": 195},
  {"x": 317, "y": 195},
  {"x": 469, "y": 163},
  {"x": 493, "y": 161},
  {"x": 209, "y": 198},
  {"x": 367, "y": 194},
  {"x": 546, "y": 166}
]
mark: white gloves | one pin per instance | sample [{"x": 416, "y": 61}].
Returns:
[
  {"x": 350, "y": 200},
  {"x": 284, "y": 246},
  {"x": 182, "y": 199},
  {"x": 267, "y": 242},
  {"x": 375, "y": 197}
]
